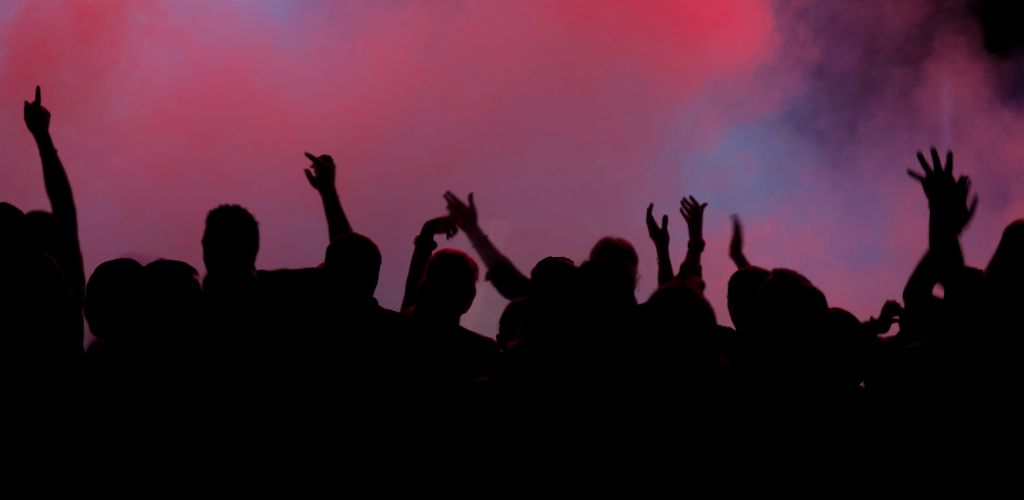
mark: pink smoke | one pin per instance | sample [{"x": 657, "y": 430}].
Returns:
[{"x": 565, "y": 118}]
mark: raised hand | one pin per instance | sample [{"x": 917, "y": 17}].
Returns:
[
  {"x": 67, "y": 250},
  {"x": 439, "y": 225},
  {"x": 693, "y": 214},
  {"x": 37, "y": 118},
  {"x": 659, "y": 235},
  {"x": 736, "y": 244},
  {"x": 462, "y": 214},
  {"x": 320, "y": 173},
  {"x": 947, "y": 195},
  {"x": 935, "y": 178},
  {"x": 891, "y": 312},
  {"x": 510, "y": 282}
]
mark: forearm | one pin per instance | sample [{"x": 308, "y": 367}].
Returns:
[
  {"x": 489, "y": 254},
  {"x": 739, "y": 259},
  {"x": 65, "y": 215},
  {"x": 337, "y": 222},
  {"x": 58, "y": 188},
  {"x": 424, "y": 247},
  {"x": 946, "y": 260},
  {"x": 691, "y": 264},
  {"x": 664, "y": 265},
  {"x": 921, "y": 282},
  {"x": 510, "y": 282}
]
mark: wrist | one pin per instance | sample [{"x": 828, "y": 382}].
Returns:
[
  {"x": 43, "y": 139},
  {"x": 475, "y": 233},
  {"x": 425, "y": 240}
]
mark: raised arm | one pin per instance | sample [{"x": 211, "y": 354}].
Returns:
[
  {"x": 424, "y": 247},
  {"x": 949, "y": 212},
  {"x": 58, "y": 189},
  {"x": 321, "y": 174},
  {"x": 659, "y": 236},
  {"x": 736, "y": 244},
  {"x": 501, "y": 272},
  {"x": 693, "y": 214}
]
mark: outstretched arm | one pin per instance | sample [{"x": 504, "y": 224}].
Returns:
[
  {"x": 949, "y": 212},
  {"x": 693, "y": 213},
  {"x": 58, "y": 189},
  {"x": 321, "y": 174},
  {"x": 506, "y": 278},
  {"x": 659, "y": 235},
  {"x": 424, "y": 247},
  {"x": 736, "y": 244}
]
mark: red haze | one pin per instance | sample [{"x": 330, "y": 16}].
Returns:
[{"x": 566, "y": 118}]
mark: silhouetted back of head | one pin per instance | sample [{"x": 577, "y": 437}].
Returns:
[
  {"x": 742, "y": 295},
  {"x": 680, "y": 307},
  {"x": 553, "y": 279},
  {"x": 231, "y": 239},
  {"x": 112, "y": 299},
  {"x": 792, "y": 309},
  {"x": 680, "y": 325},
  {"x": 449, "y": 284},
  {"x": 173, "y": 299},
  {"x": 616, "y": 251},
  {"x": 610, "y": 274},
  {"x": 1005, "y": 272},
  {"x": 353, "y": 262}
]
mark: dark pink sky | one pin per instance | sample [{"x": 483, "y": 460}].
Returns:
[{"x": 565, "y": 117}]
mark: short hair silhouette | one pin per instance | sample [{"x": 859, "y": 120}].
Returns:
[
  {"x": 449, "y": 283},
  {"x": 614, "y": 250},
  {"x": 610, "y": 274},
  {"x": 742, "y": 295},
  {"x": 792, "y": 308},
  {"x": 112, "y": 299},
  {"x": 231, "y": 238},
  {"x": 173, "y": 299},
  {"x": 354, "y": 261},
  {"x": 552, "y": 278},
  {"x": 680, "y": 327}
]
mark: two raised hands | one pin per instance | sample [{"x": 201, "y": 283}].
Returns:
[{"x": 693, "y": 213}]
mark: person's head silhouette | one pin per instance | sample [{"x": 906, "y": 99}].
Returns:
[
  {"x": 353, "y": 264},
  {"x": 449, "y": 285},
  {"x": 742, "y": 296},
  {"x": 610, "y": 274},
  {"x": 173, "y": 301},
  {"x": 231, "y": 239},
  {"x": 112, "y": 300}
]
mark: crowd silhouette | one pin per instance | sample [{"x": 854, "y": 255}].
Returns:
[{"x": 308, "y": 341}]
